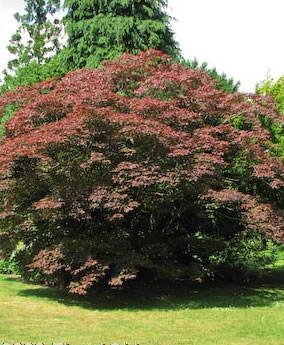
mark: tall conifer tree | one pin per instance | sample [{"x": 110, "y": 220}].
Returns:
[{"x": 103, "y": 29}]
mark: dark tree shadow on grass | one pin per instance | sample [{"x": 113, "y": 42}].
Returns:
[{"x": 170, "y": 296}]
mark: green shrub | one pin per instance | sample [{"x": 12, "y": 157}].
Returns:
[
  {"x": 8, "y": 266},
  {"x": 9, "y": 111},
  {"x": 245, "y": 258},
  {"x": 34, "y": 73}
]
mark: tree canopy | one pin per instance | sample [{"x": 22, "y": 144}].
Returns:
[
  {"x": 223, "y": 82},
  {"x": 41, "y": 31},
  {"x": 35, "y": 45},
  {"x": 97, "y": 30},
  {"x": 103, "y": 29},
  {"x": 276, "y": 89},
  {"x": 139, "y": 166}
]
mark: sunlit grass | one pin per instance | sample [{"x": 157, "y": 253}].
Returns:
[{"x": 165, "y": 314}]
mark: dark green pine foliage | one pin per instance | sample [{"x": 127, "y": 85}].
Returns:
[{"x": 103, "y": 29}]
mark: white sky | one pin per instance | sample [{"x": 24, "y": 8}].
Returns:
[{"x": 243, "y": 38}]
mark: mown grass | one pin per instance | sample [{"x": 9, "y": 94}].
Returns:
[{"x": 161, "y": 314}]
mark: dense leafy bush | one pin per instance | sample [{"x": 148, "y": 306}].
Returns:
[
  {"x": 8, "y": 112},
  {"x": 140, "y": 166},
  {"x": 8, "y": 266},
  {"x": 245, "y": 258},
  {"x": 34, "y": 73}
]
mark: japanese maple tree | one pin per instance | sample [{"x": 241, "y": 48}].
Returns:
[{"x": 139, "y": 166}]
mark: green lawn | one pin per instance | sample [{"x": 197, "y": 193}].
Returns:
[{"x": 162, "y": 315}]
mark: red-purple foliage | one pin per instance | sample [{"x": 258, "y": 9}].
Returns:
[{"x": 109, "y": 171}]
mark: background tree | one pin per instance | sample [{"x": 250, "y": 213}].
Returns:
[
  {"x": 103, "y": 29},
  {"x": 43, "y": 34},
  {"x": 136, "y": 25},
  {"x": 224, "y": 83},
  {"x": 33, "y": 73},
  {"x": 276, "y": 90},
  {"x": 35, "y": 45},
  {"x": 139, "y": 166}
]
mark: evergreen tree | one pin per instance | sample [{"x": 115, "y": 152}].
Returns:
[
  {"x": 42, "y": 34},
  {"x": 224, "y": 83},
  {"x": 103, "y": 29}
]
